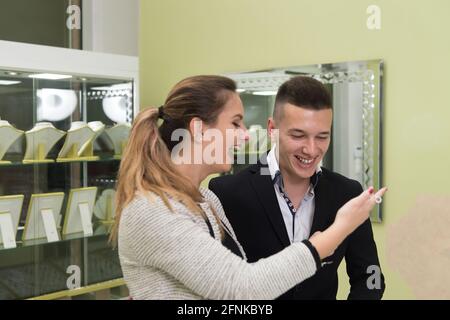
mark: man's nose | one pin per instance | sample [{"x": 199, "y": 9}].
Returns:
[{"x": 309, "y": 147}]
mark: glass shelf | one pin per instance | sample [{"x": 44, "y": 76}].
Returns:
[
  {"x": 99, "y": 232},
  {"x": 20, "y": 163},
  {"x": 34, "y": 270}
]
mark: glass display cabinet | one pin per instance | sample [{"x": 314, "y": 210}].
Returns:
[{"x": 64, "y": 121}]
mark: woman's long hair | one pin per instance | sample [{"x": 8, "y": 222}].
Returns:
[{"x": 146, "y": 164}]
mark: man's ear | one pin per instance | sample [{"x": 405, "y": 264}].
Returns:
[
  {"x": 272, "y": 131},
  {"x": 270, "y": 125}
]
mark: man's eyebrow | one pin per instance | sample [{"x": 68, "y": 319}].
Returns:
[
  {"x": 301, "y": 131},
  {"x": 296, "y": 131},
  {"x": 239, "y": 116}
]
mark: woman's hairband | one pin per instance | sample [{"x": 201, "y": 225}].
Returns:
[{"x": 161, "y": 112}]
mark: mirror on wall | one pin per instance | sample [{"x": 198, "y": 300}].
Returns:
[{"x": 356, "y": 88}]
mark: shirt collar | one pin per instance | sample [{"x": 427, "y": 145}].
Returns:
[
  {"x": 275, "y": 172},
  {"x": 272, "y": 162}
]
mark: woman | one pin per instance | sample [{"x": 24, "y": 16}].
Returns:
[{"x": 170, "y": 230}]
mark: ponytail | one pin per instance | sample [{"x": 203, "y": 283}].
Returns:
[{"x": 146, "y": 166}]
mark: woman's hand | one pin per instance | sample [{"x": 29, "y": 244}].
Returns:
[
  {"x": 352, "y": 214},
  {"x": 349, "y": 217}
]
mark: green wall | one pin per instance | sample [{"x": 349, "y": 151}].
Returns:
[{"x": 182, "y": 38}]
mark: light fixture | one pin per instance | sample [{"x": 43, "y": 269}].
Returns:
[
  {"x": 101, "y": 88},
  {"x": 120, "y": 86},
  {"x": 264, "y": 93},
  {"x": 115, "y": 108},
  {"x": 55, "y": 104},
  {"x": 240, "y": 90},
  {"x": 11, "y": 73},
  {"x": 8, "y": 82},
  {"x": 49, "y": 76}
]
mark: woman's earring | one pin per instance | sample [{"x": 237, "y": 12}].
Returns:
[{"x": 198, "y": 137}]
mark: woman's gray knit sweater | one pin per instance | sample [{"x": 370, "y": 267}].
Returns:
[{"x": 171, "y": 255}]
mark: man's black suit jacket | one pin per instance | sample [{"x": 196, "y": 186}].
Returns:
[{"x": 250, "y": 203}]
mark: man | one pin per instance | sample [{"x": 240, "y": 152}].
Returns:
[{"x": 287, "y": 197}]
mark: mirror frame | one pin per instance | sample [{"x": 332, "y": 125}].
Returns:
[{"x": 370, "y": 73}]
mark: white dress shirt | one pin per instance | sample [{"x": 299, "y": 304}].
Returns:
[{"x": 298, "y": 226}]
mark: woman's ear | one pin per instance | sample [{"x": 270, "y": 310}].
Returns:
[{"x": 196, "y": 129}]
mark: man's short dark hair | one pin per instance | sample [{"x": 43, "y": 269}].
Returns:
[{"x": 304, "y": 92}]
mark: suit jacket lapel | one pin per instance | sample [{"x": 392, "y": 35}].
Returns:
[
  {"x": 323, "y": 211},
  {"x": 263, "y": 186}
]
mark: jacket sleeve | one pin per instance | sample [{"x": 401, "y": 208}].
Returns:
[
  {"x": 363, "y": 266},
  {"x": 177, "y": 245}
]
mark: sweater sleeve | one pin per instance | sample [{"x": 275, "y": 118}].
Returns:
[{"x": 177, "y": 245}]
